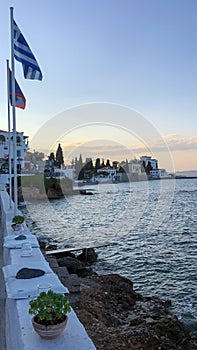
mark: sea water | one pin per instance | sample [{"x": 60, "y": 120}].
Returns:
[{"x": 151, "y": 229}]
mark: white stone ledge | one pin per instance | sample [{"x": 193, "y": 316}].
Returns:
[{"x": 20, "y": 334}]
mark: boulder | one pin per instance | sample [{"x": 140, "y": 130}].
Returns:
[
  {"x": 51, "y": 247},
  {"x": 52, "y": 262},
  {"x": 84, "y": 272},
  {"x": 73, "y": 283},
  {"x": 42, "y": 244},
  {"x": 71, "y": 263},
  {"x": 88, "y": 255}
]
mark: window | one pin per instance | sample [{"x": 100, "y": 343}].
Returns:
[{"x": 2, "y": 138}]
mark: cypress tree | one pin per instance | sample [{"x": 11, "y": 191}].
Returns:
[{"x": 59, "y": 156}]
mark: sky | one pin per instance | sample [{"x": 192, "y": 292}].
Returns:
[{"x": 138, "y": 54}]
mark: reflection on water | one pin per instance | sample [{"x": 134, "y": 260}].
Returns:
[{"x": 152, "y": 230}]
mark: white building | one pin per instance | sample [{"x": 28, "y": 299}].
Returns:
[
  {"x": 6, "y": 151},
  {"x": 135, "y": 167},
  {"x": 148, "y": 160},
  {"x": 159, "y": 174},
  {"x": 67, "y": 171},
  {"x": 105, "y": 175}
]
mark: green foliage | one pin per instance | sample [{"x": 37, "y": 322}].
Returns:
[
  {"x": 44, "y": 184},
  {"x": 18, "y": 219},
  {"x": 33, "y": 181},
  {"x": 59, "y": 156},
  {"x": 49, "y": 306}
]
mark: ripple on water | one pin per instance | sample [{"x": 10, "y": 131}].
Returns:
[{"x": 160, "y": 259}]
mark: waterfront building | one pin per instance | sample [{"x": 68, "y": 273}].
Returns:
[
  {"x": 105, "y": 174},
  {"x": 159, "y": 174},
  {"x": 148, "y": 160},
  {"x": 69, "y": 171},
  {"x": 135, "y": 167},
  {"x": 64, "y": 171},
  {"x": 6, "y": 151}
]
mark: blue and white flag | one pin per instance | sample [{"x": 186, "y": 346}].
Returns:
[{"x": 23, "y": 54}]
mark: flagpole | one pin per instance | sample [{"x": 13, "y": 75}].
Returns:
[
  {"x": 14, "y": 113},
  {"x": 9, "y": 137}
]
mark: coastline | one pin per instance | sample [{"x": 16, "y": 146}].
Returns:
[
  {"x": 114, "y": 315},
  {"x": 33, "y": 193}
]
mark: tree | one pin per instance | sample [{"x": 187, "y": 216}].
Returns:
[
  {"x": 103, "y": 164},
  {"x": 52, "y": 156},
  {"x": 88, "y": 168},
  {"x": 148, "y": 168},
  {"x": 97, "y": 164},
  {"x": 52, "y": 159},
  {"x": 143, "y": 167},
  {"x": 78, "y": 167},
  {"x": 115, "y": 164},
  {"x": 59, "y": 156},
  {"x": 108, "y": 164},
  {"x": 89, "y": 164}
]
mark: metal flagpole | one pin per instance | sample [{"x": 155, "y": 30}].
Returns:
[
  {"x": 14, "y": 114},
  {"x": 9, "y": 135}
]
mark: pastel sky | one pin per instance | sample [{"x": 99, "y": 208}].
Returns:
[{"x": 141, "y": 54}]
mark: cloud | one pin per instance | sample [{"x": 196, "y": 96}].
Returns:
[
  {"x": 181, "y": 143},
  {"x": 114, "y": 150},
  {"x": 102, "y": 149},
  {"x": 106, "y": 149},
  {"x": 173, "y": 142}
]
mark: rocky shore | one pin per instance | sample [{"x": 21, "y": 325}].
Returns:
[{"x": 114, "y": 315}]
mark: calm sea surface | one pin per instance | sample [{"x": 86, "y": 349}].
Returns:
[{"x": 152, "y": 230}]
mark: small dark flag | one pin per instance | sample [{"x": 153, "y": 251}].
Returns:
[{"x": 20, "y": 100}]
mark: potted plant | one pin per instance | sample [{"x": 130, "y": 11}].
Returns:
[
  {"x": 50, "y": 313},
  {"x": 17, "y": 222}
]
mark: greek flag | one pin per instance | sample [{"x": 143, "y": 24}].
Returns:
[{"x": 23, "y": 54}]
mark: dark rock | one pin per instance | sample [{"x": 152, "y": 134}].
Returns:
[
  {"x": 88, "y": 255},
  {"x": 72, "y": 255},
  {"x": 84, "y": 272},
  {"x": 63, "y": 254},
  {"x": 73, "y": 283},
  {"x": 118, "y": 318},
  {"x": 85, "y": 192},
  {"x": 54, "y": 193},
  {"x": 52, "y": 262},
  {"x": 26, "y": 273},
  {"x": 42, "y": 244},
  {"x": 62, "y": 272},
  {"x": 72, "y": 264},
  {"x": 51, "y": 247},
  {"x": 20, "y": 238}
]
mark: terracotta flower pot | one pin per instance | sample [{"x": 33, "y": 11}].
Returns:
[{"x": 49, "y": 331}]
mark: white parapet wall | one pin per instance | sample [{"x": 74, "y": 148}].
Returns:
[{"x": 20, "y": 334}]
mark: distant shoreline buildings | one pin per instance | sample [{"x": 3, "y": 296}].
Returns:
[
  {"x": 145, "y": 168},
  {"x": 97, "y": 171}
]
